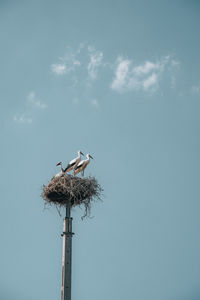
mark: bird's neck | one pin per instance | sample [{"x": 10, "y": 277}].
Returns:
[{"x": 61, "y": 167}]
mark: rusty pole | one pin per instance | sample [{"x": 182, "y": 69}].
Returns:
[{"x": 67, "y": 255}]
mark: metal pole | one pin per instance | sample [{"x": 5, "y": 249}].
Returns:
[{"x": 67, "y": 255}]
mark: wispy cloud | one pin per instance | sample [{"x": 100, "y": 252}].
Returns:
[
  {"x": 145, "y": 76},
  {"x": 175, "y": 62},
  {"x": 95, "y": 103},
  {"x": 71, "y": 62},
  {"x": 96, "y": 58},
  {"x": 86, "y": 63},
  {"x": 34, "y": 101},
  {"x": 67, "y": 63},
  {"x": 151, "y": 81},
  {"x": 75, "y": 100},
  {"x": 58, "y": 69},
  {"x": 146, "y": 68},
  {"x": 22, "y": 119},
  {"x": 27, "y": 116},
  {"x": 196, "y": 89},
  {"x": 173, "y": 81},
  {"x": 122, "y": 71}
]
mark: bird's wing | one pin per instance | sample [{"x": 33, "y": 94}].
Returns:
[
  {"x": 85, "y": 165},
  {"x": 79, "y": 165},
  {"x": 70, "y": 164}
]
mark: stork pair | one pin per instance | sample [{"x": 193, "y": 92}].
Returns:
[{"x": 76, "y": 164}]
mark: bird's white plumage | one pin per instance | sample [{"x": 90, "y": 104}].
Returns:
[
  {"x": 74, "y": 162},
  {"x": 82, "y": 165},
  {"x": 59, "y": 174},
  {"x": 61, "y": 170}
]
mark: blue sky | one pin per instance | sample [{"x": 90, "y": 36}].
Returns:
[{"x": 120, "y": 80}]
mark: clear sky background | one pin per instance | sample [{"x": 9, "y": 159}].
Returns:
[{"x": 120, "y": 80}]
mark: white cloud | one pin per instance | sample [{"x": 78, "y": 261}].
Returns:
[
  {"x": 95, "y": 62},
  {"x": 145, "y": 77},
  {"x": 68, "y": 63},
  {"x": 31, "y": 98},
  {"x": 145, "y": 68},
  {"x": 150, "y": 81},
  {"x": 83, "y": 72},
  {"x": 58, "y": 69},
  {"x": 121, "y": 75},
  {"x": 23, "y": 119}
]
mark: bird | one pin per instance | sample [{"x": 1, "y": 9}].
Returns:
[
  {"x": 62, "y": 171},
  {"x": 82, "y": 165},
  {"x": 60, "y": 164},
  {"x": 74, "y": 162}
]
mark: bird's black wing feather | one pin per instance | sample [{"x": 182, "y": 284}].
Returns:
[
  {"x": 69, "y": 166},
  {"x": 79, "y": 166}
]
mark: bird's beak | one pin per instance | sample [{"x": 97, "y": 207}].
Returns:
[
  {"x": 91, "y": 156},
  {"x": 82, "y": 153},
  {"x": 58, "y": 164}
]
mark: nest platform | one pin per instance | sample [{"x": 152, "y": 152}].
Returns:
[{"x": 76, "y": 190}]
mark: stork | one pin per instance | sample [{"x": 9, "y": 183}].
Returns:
[
  {"x": 74, "y": 162},
  {"x": 82, "y": 165},
  {"x": 62, "y": 171}
]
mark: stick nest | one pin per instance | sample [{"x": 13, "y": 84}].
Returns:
[{"x": 67, "y": 188}]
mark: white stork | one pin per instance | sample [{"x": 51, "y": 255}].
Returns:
[
  {"x": 74, "y": 162},
  {"x": 62, "y": 171},
  {"x": 82, "y": 165}
]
